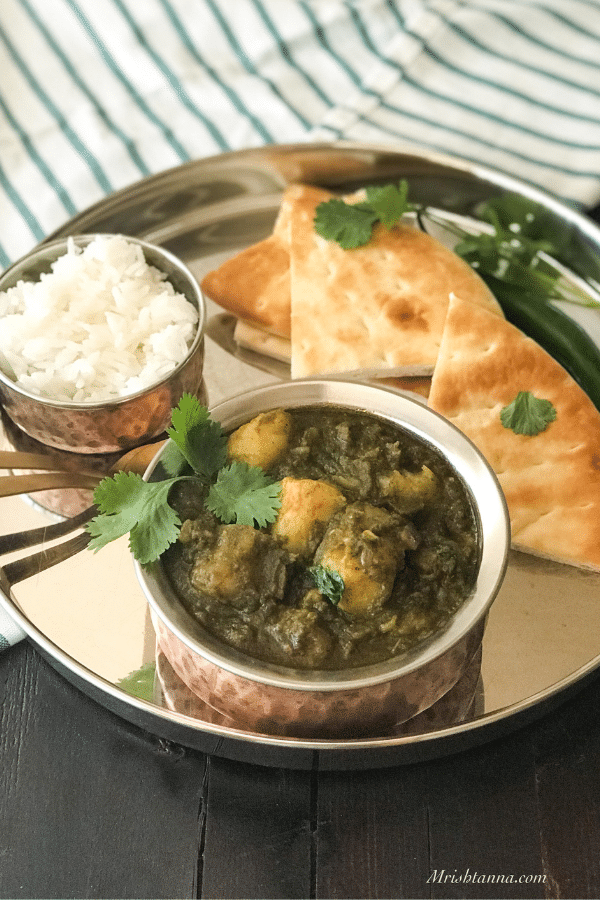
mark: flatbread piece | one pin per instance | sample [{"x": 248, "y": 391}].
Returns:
[
  {"x": 551, "y": 480},
  {"x": 381, "y": 306},
  {"x": 255, "y": 283}
]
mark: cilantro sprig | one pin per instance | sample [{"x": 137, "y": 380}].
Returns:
[
  {"x": 351, "y": 224},
  {"x": 236, "y": 493},
  {"x": 527, "y": 414},
  {"x": 521, "y": 247}
]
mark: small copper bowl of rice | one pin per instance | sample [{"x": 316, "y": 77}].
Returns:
[{"x": 100, "y": 335}]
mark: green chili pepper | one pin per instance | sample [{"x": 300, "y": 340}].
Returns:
[{"x": 554, "y": 330}]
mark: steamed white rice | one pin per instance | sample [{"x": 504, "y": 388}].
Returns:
[{"x": 101, "y": 325}]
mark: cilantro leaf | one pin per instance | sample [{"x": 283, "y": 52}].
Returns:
[
  {"x": 127, "y": 503},
  {"x": 141, "y": 682},
  {"x": 329, "y": 582},
  {"x": 350, "y": 224},
  {"x": 245, "y": 495},
  {"x": 390, "y": 202},
  {"x": 173, "y": 461},
  {"x": 527, "y": 414},
  {"x": 200, "y": 439}
]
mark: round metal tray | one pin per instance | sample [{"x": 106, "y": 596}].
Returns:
[{"x": 88, "y": 616}]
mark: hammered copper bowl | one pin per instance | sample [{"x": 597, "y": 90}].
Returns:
[
  {"x": 355, "y": 702},
  {"x": 115, "y": 425}
]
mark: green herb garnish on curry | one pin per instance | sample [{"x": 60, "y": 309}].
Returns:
[
  {"x": 369, "y": 543},
  {"x": 197, "y": 452}
]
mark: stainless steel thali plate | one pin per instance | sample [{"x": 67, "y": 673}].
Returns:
[{"x": 88, "y": 616}]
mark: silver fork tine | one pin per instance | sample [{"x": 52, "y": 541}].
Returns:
[
  {"x": 18, "y": 540},
  {"x": 24, "y": 568}
]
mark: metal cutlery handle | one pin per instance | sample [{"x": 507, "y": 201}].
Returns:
[
  {"x": 21, "y": 569},
  {"x": 19, "y": 540},
  {"x": 11, "y": 485}
]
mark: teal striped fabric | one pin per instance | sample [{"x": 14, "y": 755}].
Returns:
[
  {"x": 96, "y": 94},
  {"x": 10, "y": 632}
]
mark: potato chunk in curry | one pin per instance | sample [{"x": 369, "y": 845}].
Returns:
[
  {"x": 241, "y": 564},
  {"x": 306, "y": 508},
  {"x": 262, "y": 440},
  {"x": 363, "y": 544},
  {"x": 408, "y": 492}
]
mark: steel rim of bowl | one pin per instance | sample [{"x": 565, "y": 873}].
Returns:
[
  {"x": 45, "y": 251},
  {"x": 494, "y": 531}
]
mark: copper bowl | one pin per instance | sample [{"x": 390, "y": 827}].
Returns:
[
  {"x": 353, "y": 702},
  {"x": 113, "y": 425}
]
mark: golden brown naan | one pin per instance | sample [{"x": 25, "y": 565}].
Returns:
[
  {"x": 551, "y": 480},
  {"x": 379, "y": 307},
  {"x": 255, "y": 284}
]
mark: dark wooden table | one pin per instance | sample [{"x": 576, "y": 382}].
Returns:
[{"x": 91, "y": 806}]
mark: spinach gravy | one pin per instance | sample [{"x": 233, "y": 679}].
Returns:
[{"x": 360, "y": 499}]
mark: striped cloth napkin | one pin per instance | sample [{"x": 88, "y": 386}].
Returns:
[{"x": 97, "y": 94}]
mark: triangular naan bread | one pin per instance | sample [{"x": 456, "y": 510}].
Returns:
[
  {"x": 255, "y": 284},
  {"x": 394, "y": 327},
  {"x": 381, "y": 306},
  {"x": 551, "y": 480}
]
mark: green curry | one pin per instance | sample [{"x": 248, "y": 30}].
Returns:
[{"x": 374, "y": 548}]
